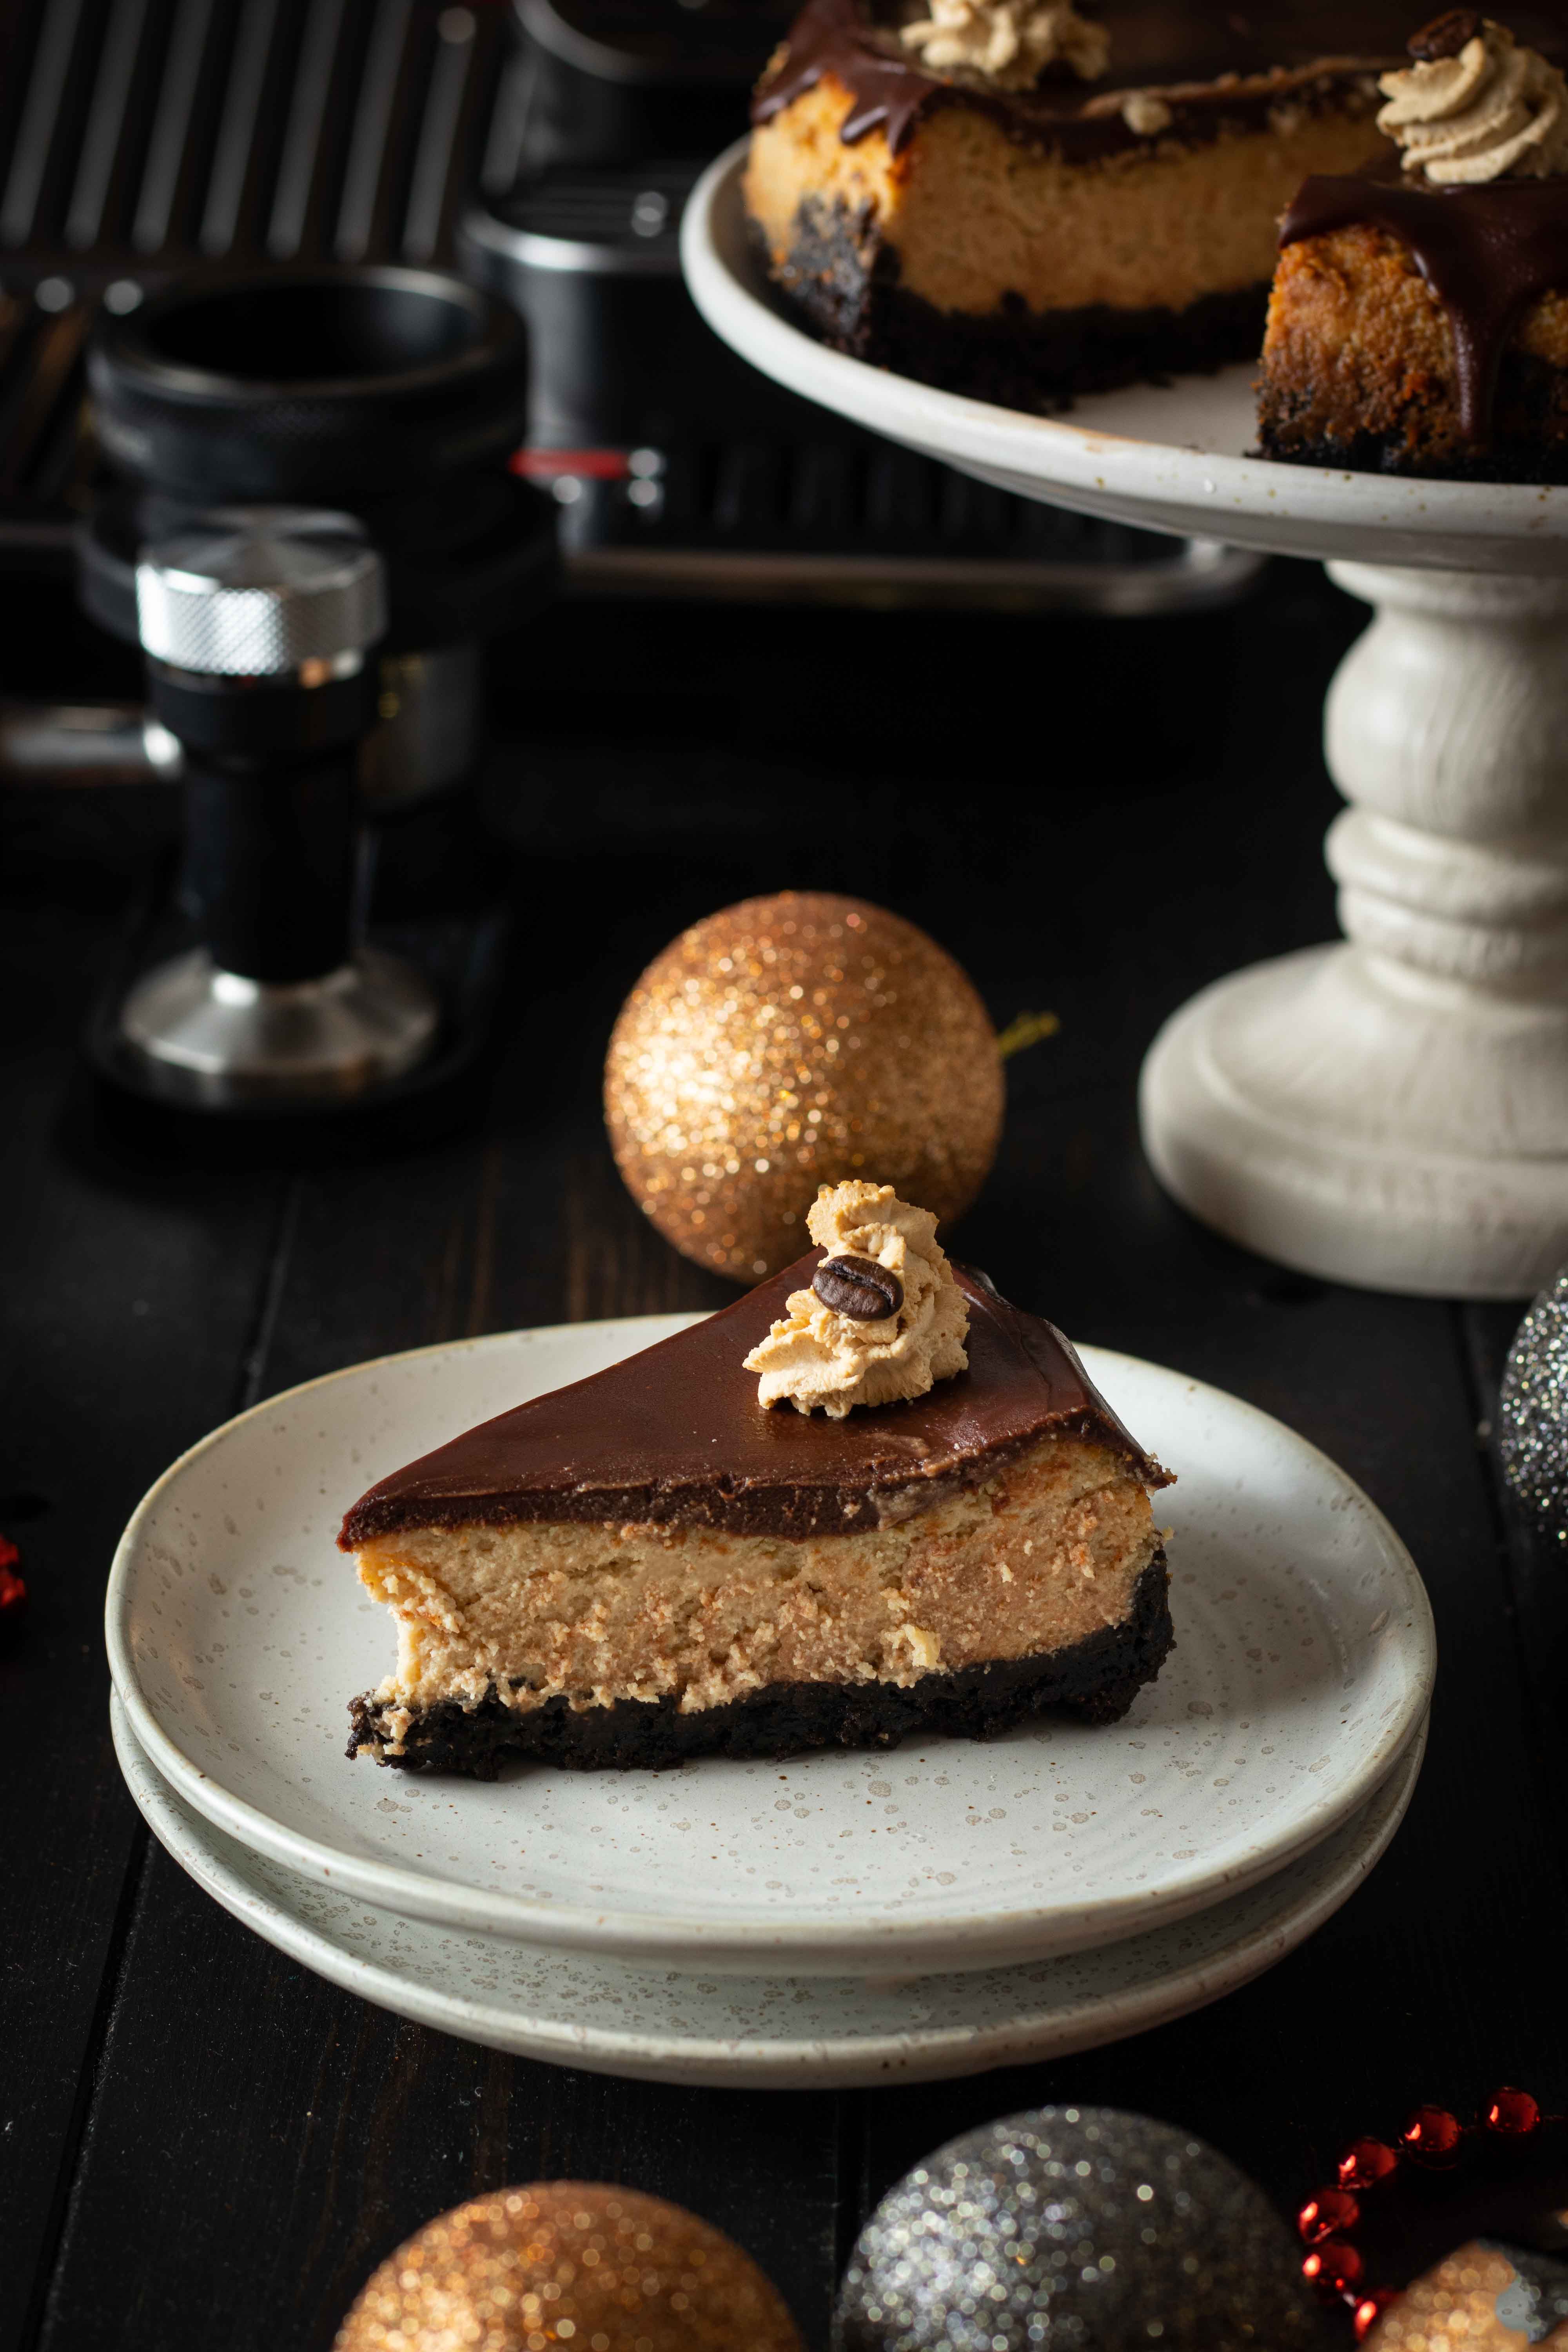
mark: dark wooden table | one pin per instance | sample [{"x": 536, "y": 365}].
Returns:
[{"x": 202, "y": 2144}]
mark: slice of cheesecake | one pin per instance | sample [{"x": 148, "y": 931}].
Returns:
[
  {"x": 1419, "y": 318},
  {"x": 652, "y": 1563},
  {"x": 1111, "y": 219}
]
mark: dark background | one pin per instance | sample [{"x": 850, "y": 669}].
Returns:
[{"x": 199, "y": 2142}]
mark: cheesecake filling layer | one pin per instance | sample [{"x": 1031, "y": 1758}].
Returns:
[
  {"x": 1152, "y": 227},
  {"x": 1040, "y": 1557}
]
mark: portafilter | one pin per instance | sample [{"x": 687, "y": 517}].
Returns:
[
  {"x": 261, "y": 625},
  {"x": 396, "y": 394}
]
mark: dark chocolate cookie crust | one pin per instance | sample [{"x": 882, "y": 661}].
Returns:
[
  {"x": 1376, "y": 453},
  {"x": 1097, "y": 1679},
  {"x": 1528, "y": 444},
  {"x": 844, "y": 282}
]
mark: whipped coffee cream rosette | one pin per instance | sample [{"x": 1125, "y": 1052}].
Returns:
[
  {"x": 884, "y": 1318},
  {"x": 1476, "y": 106},
  {"x": 1009, "y": 42}
]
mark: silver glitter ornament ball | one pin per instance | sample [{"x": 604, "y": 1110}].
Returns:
[
  {"x": 1532, "y": 1432},
  {"x": 1075, "y": 2227}
]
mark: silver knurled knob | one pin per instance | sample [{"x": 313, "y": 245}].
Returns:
[{"x": 262, "y": 591}]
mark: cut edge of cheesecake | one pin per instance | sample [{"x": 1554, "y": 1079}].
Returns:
[
  {"x": 1419, "y": 331},
  {"x": 648, "y": 1565}
]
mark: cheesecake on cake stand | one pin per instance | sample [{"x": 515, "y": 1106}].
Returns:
[{"x": 1392, "y": 1109}]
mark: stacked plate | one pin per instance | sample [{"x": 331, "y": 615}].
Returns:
[{"x": 838, "y": 1918}]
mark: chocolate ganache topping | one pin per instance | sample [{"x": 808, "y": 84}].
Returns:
[
  {"x": 1488, "y": 253},
  {"x": 675, "y": 1436},
  {"x": 1213, "y": 69}
]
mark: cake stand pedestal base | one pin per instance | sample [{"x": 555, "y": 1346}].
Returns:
[{"x": 1393, "y": 1111}]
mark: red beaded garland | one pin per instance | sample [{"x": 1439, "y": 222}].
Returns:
[
  {"x": 1433, "y": 2139},
  {"x": 12, "y": 1591},
  {"x": 1326, "y": 2214},
  {"x": 1513, "y": 2112},
  {"x": 1366, "y": 2162},
  {"x": 1334, "y": 2265},
  {"x": 1371, "y": 2308},
  {"x": 1432, "y": 2136}
]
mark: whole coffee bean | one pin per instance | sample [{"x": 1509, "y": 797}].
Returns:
[
  {"x": 1446, "y": 36},
  {"x": 859, "y": 1288}
]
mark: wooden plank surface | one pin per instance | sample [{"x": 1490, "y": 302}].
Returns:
[
  {"x": 131, "y": 1299},
  {"x": 1097, "y": 818}
]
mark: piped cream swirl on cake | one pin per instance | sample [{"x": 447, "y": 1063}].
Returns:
[
  {"x": 1476, "y": 106},
  {"x": 1009, "y": 42},
  {"x": 884, "y": 1318}
]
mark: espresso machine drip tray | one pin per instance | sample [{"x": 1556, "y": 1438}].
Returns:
[
  {"x": 545, "y": 150},
  {"x": 849, "y": 520}
]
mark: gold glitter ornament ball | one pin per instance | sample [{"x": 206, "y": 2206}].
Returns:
[
  {"x": 1484, "y": 2298},
  {"x": 568, "y": 2263},
  {"x": 792, "y": 1042}
]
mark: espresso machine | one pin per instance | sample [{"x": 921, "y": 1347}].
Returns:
[
  {"x": 414, "y": 265},
  {"x": 544, "y": 148}
]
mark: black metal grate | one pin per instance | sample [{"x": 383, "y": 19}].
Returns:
[
  {"x": 853, "y": 521},
  {"x": 143, "y": 137},
  {"x": 152, "y": 134}
]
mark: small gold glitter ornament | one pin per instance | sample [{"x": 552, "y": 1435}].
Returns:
[
  {"x": 792, "y": 1042},
  {"x": 568, "y": 2263},
  {"x": 1484, "y": 2298}
]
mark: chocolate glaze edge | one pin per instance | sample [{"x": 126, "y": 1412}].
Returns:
[
  {"x": 890, "y": 90},
  {"x": 1487, "y": 253},
  {"x": 674, "y": 1436}
]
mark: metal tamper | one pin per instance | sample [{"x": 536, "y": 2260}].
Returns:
[{"x": 257, "y": 623}]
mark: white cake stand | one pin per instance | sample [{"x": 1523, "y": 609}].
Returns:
[{"x": 1391, "y": 1110}]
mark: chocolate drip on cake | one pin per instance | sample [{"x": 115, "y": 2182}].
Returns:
[
  {"x": 1212, "y": 76},
  {"x": 1487, "y": 253},
  {"x": 835, "y": 36}
]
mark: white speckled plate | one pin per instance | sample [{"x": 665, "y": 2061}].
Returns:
[
  {"x": 1304, "y": 1661},
  {"x": 768, "y": 2031}
]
